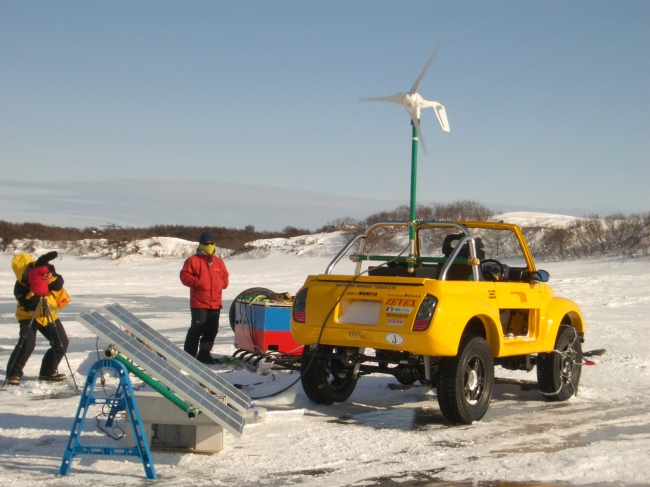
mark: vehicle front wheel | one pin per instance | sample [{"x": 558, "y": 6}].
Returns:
[
  {"x": 558, "y": 372},
  {"x": 326, "y": 380},
  {"x": 465, "y": 382}
]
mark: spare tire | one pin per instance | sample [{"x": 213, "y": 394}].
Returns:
[{"x": 254, "y": 291}]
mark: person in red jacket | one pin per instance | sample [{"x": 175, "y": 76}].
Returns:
[{"x": 206, "y": 276}]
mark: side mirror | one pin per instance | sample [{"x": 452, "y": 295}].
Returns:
[{"x": 540, "y": 276}]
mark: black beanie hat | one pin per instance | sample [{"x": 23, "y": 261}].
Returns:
[{"x": 206, "y": 237}]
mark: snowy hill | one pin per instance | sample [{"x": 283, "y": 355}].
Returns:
[
  {"x": 315, "y": 245},
  {"x": 584, "y": 237},
  {"x": 329, "y": 244},
  {"x": 534, "y": 219}
]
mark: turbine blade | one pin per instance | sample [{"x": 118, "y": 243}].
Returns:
[
  {"x": 420, "y": 137},
  {"x": 396, "y": 98},
  {"x": 416, "y": 85}
]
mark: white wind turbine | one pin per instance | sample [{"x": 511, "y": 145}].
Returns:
[{"x": 413, "y": 103}]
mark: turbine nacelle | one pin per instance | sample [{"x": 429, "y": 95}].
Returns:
[{"x": 413, "y": 103}]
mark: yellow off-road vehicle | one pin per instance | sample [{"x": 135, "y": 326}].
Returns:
[{"x": 467, "y": 297}]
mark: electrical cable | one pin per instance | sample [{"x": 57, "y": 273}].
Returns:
[
  {"x": 322, "y": 328},
  {"x": 122, "y": 414},
  {"x": 320, "y": 335}
]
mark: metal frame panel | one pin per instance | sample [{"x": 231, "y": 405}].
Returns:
[
  {"x": 186, "y": 387},
  {"x": 179, "y": 358}
]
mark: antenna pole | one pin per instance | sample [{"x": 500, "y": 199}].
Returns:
[{"x": 413, "y": 213}]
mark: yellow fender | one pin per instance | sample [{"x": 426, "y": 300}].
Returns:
[
  {"x": 550, "y": 321},
  {"x": 453, "y": 315}
]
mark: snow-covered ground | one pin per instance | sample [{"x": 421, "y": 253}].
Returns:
[{"x": 383, "y": 435}]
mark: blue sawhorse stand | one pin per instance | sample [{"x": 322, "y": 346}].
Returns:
[{"x": 124, "y": 400}]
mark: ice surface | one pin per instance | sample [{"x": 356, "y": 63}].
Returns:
[{"x": 383, "y": 432}]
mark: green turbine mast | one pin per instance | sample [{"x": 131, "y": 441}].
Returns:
[{"x": 413, "y": 103}]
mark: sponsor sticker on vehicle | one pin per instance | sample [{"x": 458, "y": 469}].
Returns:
[
  {"x": 400, "y": 302},
  {"x": 394, "y": 339},
  {"x": 355, "y": 334},
  {"x": 394, "y": 321},
  {"x": 397, "y": 309}
]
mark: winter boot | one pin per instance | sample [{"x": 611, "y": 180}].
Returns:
[
  {"x": 13, "y": 381},
  {"x": 205, "y": 357},
  {"x": 53, "y": 377}
]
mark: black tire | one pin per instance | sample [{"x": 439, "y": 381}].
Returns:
[
  {"x": 326, "y": 381},
  {"x": 558, "y": 372},
  {"x": 465, "y": 382},
  {"x": 248, "y": 292}
]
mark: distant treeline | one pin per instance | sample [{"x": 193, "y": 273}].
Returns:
[
  {"x": 592, "y": 236},
  {"x": 228, "y": 238},
  {"x": 456, "y": 211},
  {"x": 616, "y": 234}
]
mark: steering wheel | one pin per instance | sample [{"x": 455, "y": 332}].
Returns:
[{"x": 492, "y": 270}]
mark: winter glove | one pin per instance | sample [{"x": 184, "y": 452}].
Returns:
[
  {"x": 56, "y": 283},
  {"x": 45, "y": 258}
]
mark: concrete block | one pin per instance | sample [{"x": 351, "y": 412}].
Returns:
[{"x": 168, "y": 427}]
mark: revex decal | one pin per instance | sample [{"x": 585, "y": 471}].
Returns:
[
  {"x": 394, "y": 321},
  {"x": 396, "y": 309}
]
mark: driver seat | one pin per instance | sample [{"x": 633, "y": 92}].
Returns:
[{"x": 461, "y": 272}]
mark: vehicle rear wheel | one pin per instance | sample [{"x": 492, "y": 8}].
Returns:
[
  {"x": 254, "y": 291},
  {"x": 324, "y": 380},
  {"x": 558, "y": 372},
  {"x": 465, "y": 382}
]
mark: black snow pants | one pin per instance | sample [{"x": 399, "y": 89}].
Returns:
[
  {"x": 55, "y": 334},
  {"x": 203, "y": 330}
]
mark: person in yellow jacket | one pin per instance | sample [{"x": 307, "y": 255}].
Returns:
[{"x": 41, "y": 277}]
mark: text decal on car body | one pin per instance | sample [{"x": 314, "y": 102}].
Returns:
[
  {"x": 395, "y": 309},
  {"x": 400, "y": 302},
  {"x": 394, "y": 339},
  {"x": 396, "y": 315}
]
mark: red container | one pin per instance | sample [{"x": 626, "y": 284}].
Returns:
[{"x": 266, "y": 327}]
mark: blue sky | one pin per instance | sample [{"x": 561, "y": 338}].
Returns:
[{"x": 248, "y": 112}]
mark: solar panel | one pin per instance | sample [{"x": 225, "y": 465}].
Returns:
[
  {"x": 185, "y": 387},
  {"x": 179, "y": 358}
]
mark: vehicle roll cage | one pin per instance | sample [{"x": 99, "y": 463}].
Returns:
[{"x": 461, "y": 227}]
